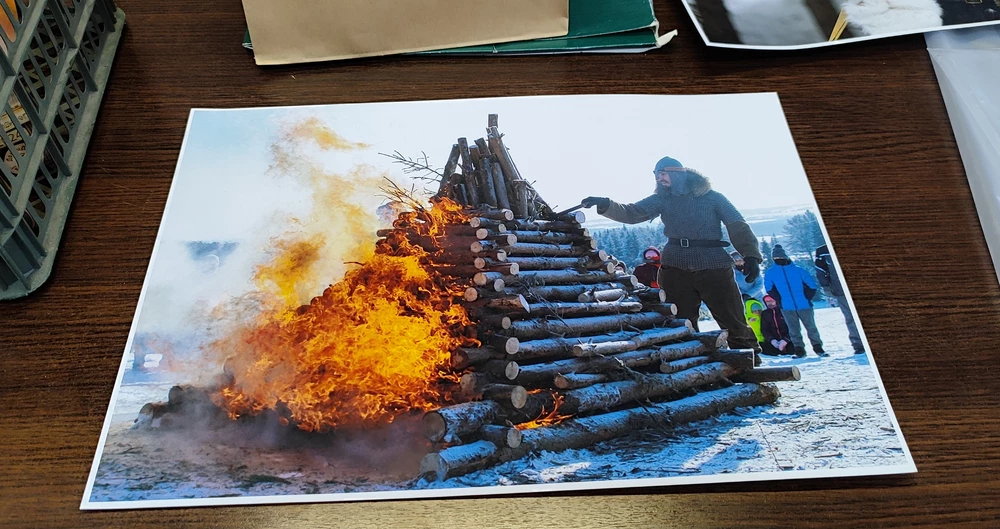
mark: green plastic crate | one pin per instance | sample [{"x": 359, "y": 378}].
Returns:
[{"x": 52, "y": 77}]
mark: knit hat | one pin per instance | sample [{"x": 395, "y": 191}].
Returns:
[
  {"x": 667, "y": 163},
  {"x": 779, "y": 253}
]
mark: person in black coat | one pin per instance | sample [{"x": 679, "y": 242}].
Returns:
[{"x": 775, "y": 331}]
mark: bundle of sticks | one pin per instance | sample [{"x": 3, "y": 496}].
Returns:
[
  {"x": 483, "y": 174},
  {"x": 573, "y": 352}
]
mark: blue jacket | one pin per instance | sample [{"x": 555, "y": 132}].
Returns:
[
  {"x": 791, "y": 286},
  {"x": 755, "y": 290}
]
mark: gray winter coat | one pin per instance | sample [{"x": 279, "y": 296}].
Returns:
[{"x": 697, "y": 214}]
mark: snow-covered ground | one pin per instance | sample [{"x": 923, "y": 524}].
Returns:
[{"x": 834, "y": 418}]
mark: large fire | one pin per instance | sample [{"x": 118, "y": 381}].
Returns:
[{"x": 372, "y": 346}]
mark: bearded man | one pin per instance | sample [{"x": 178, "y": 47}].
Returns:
[{"x": 694, "y": 264}]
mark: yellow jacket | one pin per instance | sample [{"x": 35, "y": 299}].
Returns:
[{"x": 753, "y": 320}]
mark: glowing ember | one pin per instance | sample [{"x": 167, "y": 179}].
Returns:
[{"x": 372, "y": 346}]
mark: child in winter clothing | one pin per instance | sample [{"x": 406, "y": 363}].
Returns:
[
  {"x": 793, "y": 288},
  {"x": 753, "y": 310},
  {"x": 646, "y": 272},
  {"x": 774, "y": 331},
  {"x": 749, "y": 289}
]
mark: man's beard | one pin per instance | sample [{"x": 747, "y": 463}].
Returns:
[{"x": 678, "y": 185}]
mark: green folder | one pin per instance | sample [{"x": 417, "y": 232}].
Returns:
[{"x": 594, "y": 25}]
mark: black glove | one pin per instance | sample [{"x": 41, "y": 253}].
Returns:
[
  {"x": 751, "y": 269},
  {"x": 602, "y": 203}
]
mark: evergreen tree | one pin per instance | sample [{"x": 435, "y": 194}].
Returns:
[
  {"x": 804, "y": 233},
  {"x": 765, "y": 250}
]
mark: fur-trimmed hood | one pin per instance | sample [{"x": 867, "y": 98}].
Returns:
[{"x": 694, "y": 183}]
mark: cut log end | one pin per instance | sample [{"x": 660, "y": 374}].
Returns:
[
  {"x": 512, "y": 370},
  {"x": 434, "y": 426},
  {"x": 519, "y": 397},
  {"x": 508, "y": 345}
]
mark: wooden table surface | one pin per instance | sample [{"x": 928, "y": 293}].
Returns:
[{"x": 873, "y": 134}]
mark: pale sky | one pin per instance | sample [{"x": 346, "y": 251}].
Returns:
[{"x": 570, "y": 146}]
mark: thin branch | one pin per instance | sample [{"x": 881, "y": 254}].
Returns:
[
  {"x": 420, "y": 165},
  {"x": 407, "y": 197}
]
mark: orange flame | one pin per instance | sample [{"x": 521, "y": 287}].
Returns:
[
  {"x": 372, "y": 346},
  {"x": 546, "y": 418}
]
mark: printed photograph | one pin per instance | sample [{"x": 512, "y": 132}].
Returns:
[
  {"x": 489, "y": 296},
  {"x": 799, "y": 24}
]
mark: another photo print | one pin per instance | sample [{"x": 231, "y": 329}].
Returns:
[{"x": 800, "y": 24}]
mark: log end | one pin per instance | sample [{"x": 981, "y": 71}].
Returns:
[
  {"x": 479, "y": 263},
  {"x": 468, "y": 383},
  {"x": 514, "y": 269},
  {"x": 513, "y": 437},
  {"x": 459, "y": 360},
  {"x": 471, "y": 294},
  {"x": 507, "y": 214},
  {"x": 505, "y": 323},
  {"x": 434, "y": 426},
  {"x": 482, "y": 233},
  {"x": 511, "y": 370},
  {"x": 723, "y": 340},
  {"x": 524, "y": 303},
  {"x": 499, "y": 285},
  {"x": 560, "y": 382},
  {"x": 518, "y": 397},
  {"x": 501, "y": 255},
  {"x": 430, "y": 465}
]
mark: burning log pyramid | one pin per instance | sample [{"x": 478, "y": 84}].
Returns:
[
  {"x": 550, "y": 348},
  {"x": 572, "y": 351}
]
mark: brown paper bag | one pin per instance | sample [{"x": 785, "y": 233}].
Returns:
[{"x": 295, "y": 31}]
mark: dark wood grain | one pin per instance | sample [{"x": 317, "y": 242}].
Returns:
[{"x": 873, "y": 135}]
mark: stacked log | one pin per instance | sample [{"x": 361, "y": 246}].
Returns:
[
  {"x": 572, "y": 352},
  {"x": 483, "y": 174}
]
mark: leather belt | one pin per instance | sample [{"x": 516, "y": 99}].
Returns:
[{"x": 684, "y": 242}]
